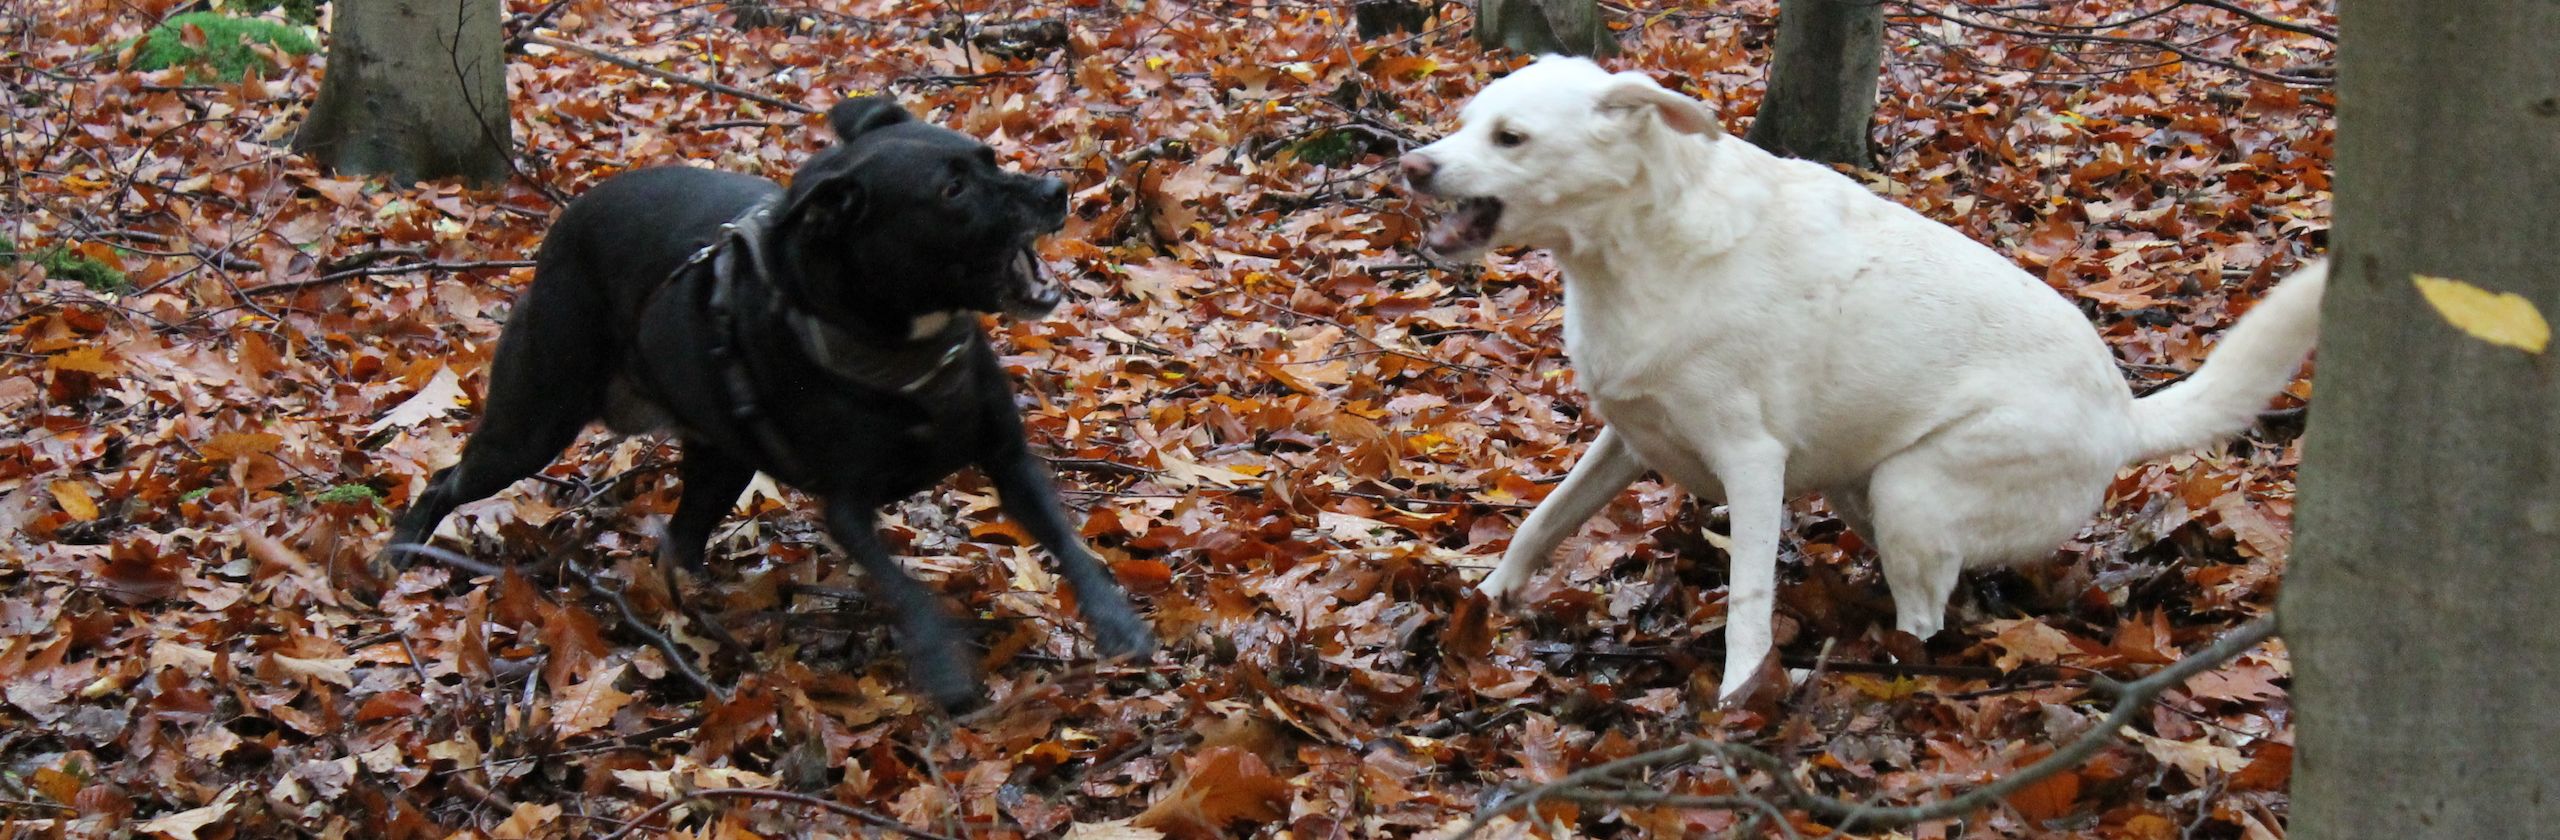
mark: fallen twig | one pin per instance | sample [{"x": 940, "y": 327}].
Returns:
[
  {"x": 871, "y": 818},
  {"x": 1596, "y": 785},
  {"x": 375, "y": 270},
  {"x": 630, "y": 617},
  {"x": 669, "y": 75}
]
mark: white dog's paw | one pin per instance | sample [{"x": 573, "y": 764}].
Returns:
[{"x": 1504, "y": 585}]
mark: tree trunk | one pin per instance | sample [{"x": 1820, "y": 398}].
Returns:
[
  {"x": 1568, "y": 27},
  {"x": 2418, "y": 607},
  {"x": 1822, "y": 85},
  {"x": 414, "y": 89}
]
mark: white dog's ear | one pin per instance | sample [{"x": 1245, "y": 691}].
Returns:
[{"x": 1681, "y": 113}]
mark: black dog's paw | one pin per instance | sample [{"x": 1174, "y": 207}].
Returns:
[
  {"x": 950, "y": 685},
  {"x": 385, "y": 565},
  {"x": 1123, "y": 635}
]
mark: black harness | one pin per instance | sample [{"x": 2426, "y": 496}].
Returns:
[{"x": 921, "y": 370}]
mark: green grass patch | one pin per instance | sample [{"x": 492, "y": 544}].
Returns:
[{"x": 225, "y": 53}]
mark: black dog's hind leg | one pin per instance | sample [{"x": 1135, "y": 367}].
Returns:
[
  {"x": 712, "y": 482},
  {"x": 546, "y": 382},
  {"x": 1030, "y": 496},
  {"x": 936, "y": 661}
]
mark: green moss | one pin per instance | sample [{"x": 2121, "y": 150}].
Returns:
[
  {"x": 1328, "y": 148},
  {"x": 61, "y": 262},
  {"x": 226, "y": 53},
  {"x": 346, "y": 494}
]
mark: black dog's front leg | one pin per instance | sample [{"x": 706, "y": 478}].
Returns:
[
  {"x": 1030, "y": 496},
  {"x": 936, "y": 661}
]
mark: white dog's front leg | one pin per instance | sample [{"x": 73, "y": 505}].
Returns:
[
  {"x": 1754, "y": 478},
  {"x": 1603, "y": 471}
]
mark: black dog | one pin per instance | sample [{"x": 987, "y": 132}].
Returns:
[{"x": 822, "y": 335}]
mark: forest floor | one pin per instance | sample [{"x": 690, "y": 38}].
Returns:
[{"x": 1297, "y": 441}]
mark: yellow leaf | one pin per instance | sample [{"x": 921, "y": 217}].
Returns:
[
  {"x": 2502, "y": 318},
  {"x": 74, "y": 498},
  {"x": 83, "y": 359}
]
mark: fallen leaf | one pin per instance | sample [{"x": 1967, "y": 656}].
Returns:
[
  {"x": 441, "y": 394},
  {"x": 1219, "y": 786},
  {"x": 335, "y": 671},
  {"x": 2197, "y": 759},
  {"x": 526, "y": 822},
  {"x": 73, "y": 496},
  {"x": 89, "y": 359},
  {"x": 590, "y": 704},
  {"x": 183, "y": 825},
  {"x": 2270, "y": 769},
  {"x": 1123, "y": 829},
  {"x": 2030, "y": 642},
  {"x": 231, "y": 445},
  {"x": 2050, "y": 798}
]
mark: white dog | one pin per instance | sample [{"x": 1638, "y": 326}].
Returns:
[{"x": 1755, "y": 328}]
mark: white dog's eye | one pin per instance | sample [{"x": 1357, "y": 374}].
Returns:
[{"x": 1508, "y": 138}]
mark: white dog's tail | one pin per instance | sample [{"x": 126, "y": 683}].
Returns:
[{"x": 2251, "y": 365}]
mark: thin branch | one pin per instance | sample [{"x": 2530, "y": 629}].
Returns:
[
  {"x": 2181, "y": 50},
  {"x": 449, "y": 558},
  {"x": 669, "y": 75},
  {"x": 2268, "y": 22},
  {"x": 1594, "y": 784},
  {"x": 2131, "y": 699},
  {"x": 377, "y": 270},
  {"x": 631, "y": 618},
  {"x": 867, "y": 817}
]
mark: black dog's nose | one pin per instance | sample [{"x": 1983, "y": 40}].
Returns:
[
  {"x": 1053, "y": 192},
  {"x": 1417, "y": 170}
]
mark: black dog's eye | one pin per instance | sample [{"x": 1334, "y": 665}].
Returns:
[
  {"x": 954, "y": 187},
  {"x": 1508, "y": 138}
]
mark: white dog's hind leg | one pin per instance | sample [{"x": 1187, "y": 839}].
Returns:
[
  {"x": 1602, "y": 473},
  {"x": 1921, "y": 579},
  {"x": 1918, "y": 510},
  {"x": 1754, "y": 478}
]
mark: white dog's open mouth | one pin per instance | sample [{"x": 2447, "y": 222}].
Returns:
[{"x": 1467, "y": 227}]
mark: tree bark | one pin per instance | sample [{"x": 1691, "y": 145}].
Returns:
[
  {"x": 1568, "y": 27},
  {"x": 414, "y": 89},
  {"x": 1822, "y": 84},
  {"x": 2418, "y": 606}
]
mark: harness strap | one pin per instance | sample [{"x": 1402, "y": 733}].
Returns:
[
  {"x": 737, "y": 256},
  {"x": 746, "y": 233}
]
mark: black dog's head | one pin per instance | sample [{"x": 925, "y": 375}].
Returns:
[{"x": 916, "y": 217}]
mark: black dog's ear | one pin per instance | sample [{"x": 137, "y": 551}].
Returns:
[
  {"x": 834, "y": 203},
  {"x": 852, "y": 117}
]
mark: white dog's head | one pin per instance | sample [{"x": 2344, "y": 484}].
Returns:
[{"x": 1541, "y": 142}]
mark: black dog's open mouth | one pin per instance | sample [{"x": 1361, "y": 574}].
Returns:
[
  {"x": 1466, "y": 228},
  {"x": 1026, "y": 291}
]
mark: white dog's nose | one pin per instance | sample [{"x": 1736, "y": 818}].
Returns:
[{"x": 1417, "y": 170}]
